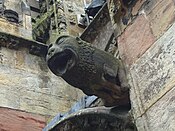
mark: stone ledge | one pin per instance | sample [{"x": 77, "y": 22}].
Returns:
[{"x": 16, "y": 42}]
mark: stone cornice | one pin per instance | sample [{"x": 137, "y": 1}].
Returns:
[{"x": 17, "y": 42}]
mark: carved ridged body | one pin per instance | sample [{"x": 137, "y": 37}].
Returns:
[
  {"x": 89, "y": 70},
  {"x": 94, "y": 71}
]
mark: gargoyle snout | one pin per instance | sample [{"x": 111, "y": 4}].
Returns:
[{"x": 51, "y": 52}]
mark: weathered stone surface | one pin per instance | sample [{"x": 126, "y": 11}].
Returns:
[
  {"x": 142, "y": 124},
  {"x": 13, "y": 5},
  {"x": 161, "y": 16},
  {"x": 88, "y": 68},
  {"x": 13, "y": 120},
  {"x": 27, "y": 84},
  {"x": 137, "y": 7},
  {"x": 14, "y": 29},
  {"x": 153, "y": 74},
  {"x": 161, "y": 116},
  {"x": 136, "y": 39},
  {"x": 72, "y": 9},
  {"x": 153, "y": 18},
  {"x": 34, "y": 3}
]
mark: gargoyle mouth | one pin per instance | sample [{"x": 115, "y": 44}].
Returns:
[{"x": 60, "y": 62}]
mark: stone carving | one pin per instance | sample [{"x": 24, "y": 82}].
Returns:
[
  {"x": 3, "y": 39},
  {"x": 9, "y": 42},
  {"x": 14, "y": 42},
  {"x": 11, "y": 15},
  {"x": 93, "y": 71},
  {"x": 72, "y": 20}
]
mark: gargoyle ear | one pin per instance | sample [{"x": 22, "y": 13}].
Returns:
[{"x": 50, "y": 45}]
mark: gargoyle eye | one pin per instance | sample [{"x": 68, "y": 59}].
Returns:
[{"x": 61, "y": 41}]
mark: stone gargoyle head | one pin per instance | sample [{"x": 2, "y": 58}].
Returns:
[
  {"x": 92, "y": 70},
  {"x": 62, "y": 55}
]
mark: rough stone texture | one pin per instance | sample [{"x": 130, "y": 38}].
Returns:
[
  {"x": 24, "y": 17},
  {"x": 136, "y": 39},
  {"x": 152, "y": 91},
  {"x": 27, "y": 84},
  {"x": 137, "y": 7},
  {"x": 163, "y": 118},
  {"x": 160, "y": 116},
  {"x": 153, "y": 18},
  {"x": 13, "y": 5},
  {"x": 14, "y": 29},
  {"x": 72, "y": 10},
  {"x": 148, "y": 49},
  {"x": 33, "y": 3},
  {"x": 13, "y": 120},
  {"x": 161, "y": 15}
]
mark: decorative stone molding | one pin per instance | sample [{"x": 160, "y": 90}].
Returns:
[{"x": 14, "y": 42}]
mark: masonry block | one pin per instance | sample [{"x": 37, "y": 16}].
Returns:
[
  {"x": 153, "y": 18},
  {"x": 14, "y": 29},
  {"x": 135, "y": 40},
  {"x": 153, "y": 74},
  {"x": 161, "y": 16},
  {"x": 137, "y": 7},
  {"x": 13, "y": 120},
  {"x": 161, "y": 116},
  {"x": 27, "y": 84}
]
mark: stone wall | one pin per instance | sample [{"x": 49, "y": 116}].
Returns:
[
  {"x": 14, "y": 120},
  {"x": 27, "y": 84},
  {"x": 147, "y": 47},
  {"x": 30, "y": 95}
]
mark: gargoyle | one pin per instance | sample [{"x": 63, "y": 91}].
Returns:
[{"x": 92, "y": 70}]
